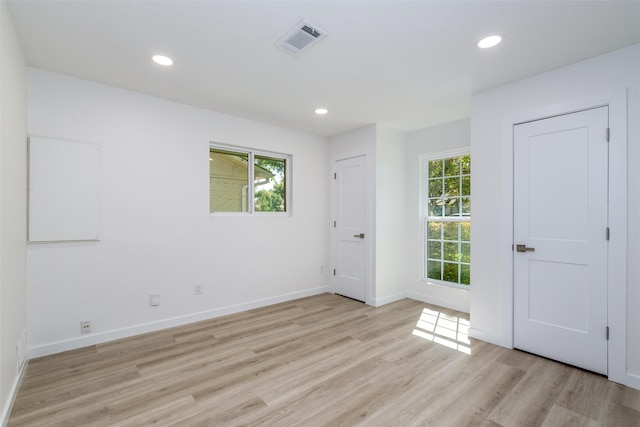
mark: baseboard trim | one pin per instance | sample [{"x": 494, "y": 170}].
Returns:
[
  {"x": 438, "y": 301},
  {"x": 99, "y": 338},
  {"x": 631, "y": 381},
  {"x": 13, "y": 391},
  {"x": 489, "y": 337},
  {"x": 388, "y": 300}
]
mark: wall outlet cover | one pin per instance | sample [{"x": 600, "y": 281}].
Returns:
[{"x": 85, "y": 327}]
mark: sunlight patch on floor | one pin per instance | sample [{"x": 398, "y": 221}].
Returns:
[{"x": 443, "y": 329}]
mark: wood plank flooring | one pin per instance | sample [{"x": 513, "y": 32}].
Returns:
[{"x": 318, "y": 361}]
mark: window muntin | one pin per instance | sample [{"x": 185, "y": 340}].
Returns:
[
  {"x": 230, "y": 175},
  {"x": 448, "y": 220}
]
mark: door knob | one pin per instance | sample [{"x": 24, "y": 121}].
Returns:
[
  {"x": 360, "y": 236},
  {"x": 524, "y": 248}
]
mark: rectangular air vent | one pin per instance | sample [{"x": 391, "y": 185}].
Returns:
[{"x": 300, "y": 38}]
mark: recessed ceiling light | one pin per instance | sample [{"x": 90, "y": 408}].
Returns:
[
  {"x": 321, "y": 111},
  {"x": 162, "y": 60},
  {"x": 490, "y": 41}
]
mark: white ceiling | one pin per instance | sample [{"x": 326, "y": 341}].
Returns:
[{"x": 404, "y": 64}]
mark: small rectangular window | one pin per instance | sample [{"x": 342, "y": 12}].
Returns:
[
  {"x": 230, "y": 175},
  {"x": 448, "y": 220}
]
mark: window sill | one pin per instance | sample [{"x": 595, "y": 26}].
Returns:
[
  {"x": 450, "y": 285},
  {"x": 254, "y": 214}
]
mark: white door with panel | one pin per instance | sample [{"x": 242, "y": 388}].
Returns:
[
  {"x": 560, "y": 238},
  {"x": 350, "y": 223}
]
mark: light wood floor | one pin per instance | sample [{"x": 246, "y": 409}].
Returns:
[{"x": 319, "y": 361}]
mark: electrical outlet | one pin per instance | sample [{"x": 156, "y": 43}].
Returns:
[
  {"x": 197, "y": 289},
  {"x": 85, "y": 327}
]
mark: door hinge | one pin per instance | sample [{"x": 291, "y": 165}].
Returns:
[
  {"x": 608, "y": 134},
  {"x": 335, "y": 175},
  {"x": 334, "y": 271},
  {"x": 608, "y": 233},
  {"x": 334, "y": 224},
  {"x": 607, "y": 332}
]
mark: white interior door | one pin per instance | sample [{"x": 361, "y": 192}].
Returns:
[
  {"x": 560, "y": 224},
  {"x": 350, "y": 226}
]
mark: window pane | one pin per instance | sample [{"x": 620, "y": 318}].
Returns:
[
  {"x": 434, "y": 230},
  {"x": 465, "y": 274},
  {"x": 465, "y": 231},
  {"x": 452, "y": 167},
  {"x": 452, "y": 207},
  {"x": 466, "y": 206},
  {"x": 450, "y": 251},
  {"x": 466, "y": 185},
  {"x": 269, "y": 184},
  {"x": 452, "y": 186},
  {"x": 435, "y": 168},
  {"x": 228, "y": 181},
  {"x": 450, "y": 272},
  {"x": 434, "y": 270},
  {"x": 435, "y": 207},
  {"x": 465, "y": 252},
  {"x": 435, "y": 187},
  {"x": 434, "y": 249},
  {"x": 451, "y": 231},
  {"x": 465, "y": 163}
]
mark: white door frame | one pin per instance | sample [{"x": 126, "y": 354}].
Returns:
[
  {"x": 617, "y": 250},
  {"x": 368, "y": 242}
]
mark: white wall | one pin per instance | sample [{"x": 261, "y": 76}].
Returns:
[
  {"x": 156, "y": 232},
  {"x": 450, "y": 136},
  {"x": 390, "y": 225},
  {"x": 491, "y": 230},
  {"x": 13, "y": 203},
  {"x": 384, "y": 148}
]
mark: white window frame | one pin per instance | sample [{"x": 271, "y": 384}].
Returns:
[
  {"x": 424, "y": 210},
  {"x": 251, "y": 153}
]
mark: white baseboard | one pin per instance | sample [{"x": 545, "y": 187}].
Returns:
[
  {"x": 489, "y": 337},
  {"x": 438, "y": 301},
  {"x": 98, "y": 338},
  {"x": 632, "y": 381},
  {"x": 387, "y": 300},
  {"x": 11, "y": 397}
]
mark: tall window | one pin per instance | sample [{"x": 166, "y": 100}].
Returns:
[
  {"x": 448, "y": 220},
  {"x": 230, "y": 174}
]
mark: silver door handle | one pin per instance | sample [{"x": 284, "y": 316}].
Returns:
[
  {"x": 524, "y": 248},
  {"x": 360, "y": 236}
]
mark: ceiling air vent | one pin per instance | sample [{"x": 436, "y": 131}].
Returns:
[{"x": 300, "y": 38}]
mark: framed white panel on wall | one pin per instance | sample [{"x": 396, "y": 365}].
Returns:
[{"x": 64, "y": 190}]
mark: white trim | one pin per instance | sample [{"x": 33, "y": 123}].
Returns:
[
  {"x": 456, "y": 152},
  {"x": 13, "y": 392},
  {"x": 631, "y": 380},
  {"x": 617, "y": 274},
  {"x": 617, "y": 267},
  {"x": 489, "y": 337},
  {"x": 388, "y": 300},
  {"x": 92, "y": 339}
]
